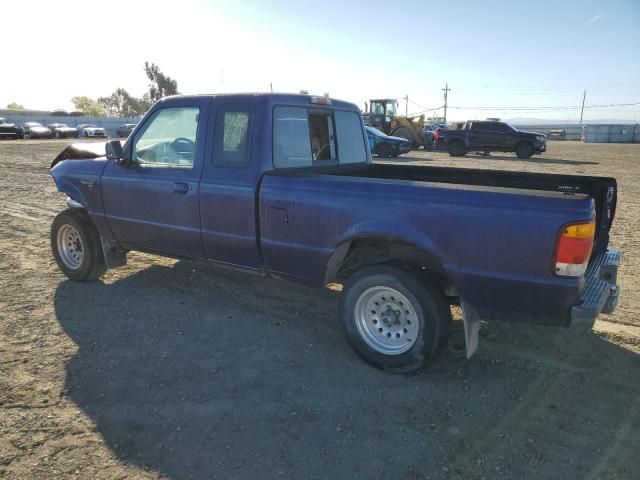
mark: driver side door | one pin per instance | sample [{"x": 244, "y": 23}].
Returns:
[{"x": 153, "y": 204}]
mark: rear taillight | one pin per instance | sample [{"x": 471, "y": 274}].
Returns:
[
  {"x": 437, "y": 135},
  {"x": 574, "y": 249}
]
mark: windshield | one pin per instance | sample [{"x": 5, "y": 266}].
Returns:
[
  {"x": 3, "y": 121},
  {"x": 377, "y": 108}
]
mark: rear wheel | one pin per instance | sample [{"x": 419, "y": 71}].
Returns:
[
  {"x": 392, "y": 319},
  {"x": 76, "y": 246},
  {"x": 524, "y": 150},
  {"x": 456, "y": 149}
]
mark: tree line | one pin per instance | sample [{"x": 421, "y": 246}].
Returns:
[{"x": 122, "y": 104}]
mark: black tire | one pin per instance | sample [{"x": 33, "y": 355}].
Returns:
[
  {"x": 524, "y": 150},
  {"x": 384, "y": 150},
  {"x": 92, "y": 265},
  {"x": 456, "y": 148},
  {"x": 431, "y": 310}
]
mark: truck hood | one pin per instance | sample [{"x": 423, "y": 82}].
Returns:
[
  {"x": 537, "y": 134},
  {"x": 81, "y": 151}
]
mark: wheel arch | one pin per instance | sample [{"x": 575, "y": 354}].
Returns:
[{"x": 365, "y": 249}]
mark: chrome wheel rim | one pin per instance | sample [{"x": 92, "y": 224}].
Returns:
[
  {"x": 70, "y": 247},
  {"x": 387, "y": 321}
]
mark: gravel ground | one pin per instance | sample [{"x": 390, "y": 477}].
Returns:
[{"x": 166, "y": 369}]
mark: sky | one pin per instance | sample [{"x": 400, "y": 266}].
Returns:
[{"x": 500, "y": 58}]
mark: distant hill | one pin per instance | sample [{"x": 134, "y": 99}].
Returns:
[{"x": 552, "y": 121}]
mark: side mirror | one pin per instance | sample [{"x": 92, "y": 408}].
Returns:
[{"x": 115, "y": 152}]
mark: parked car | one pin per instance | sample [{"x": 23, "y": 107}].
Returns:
[
  {"x": 285, "y": 187},
  {"x": 8, "y": 129},
  {"x": 125, "y": 129},
  {"x": 62, "y": 130},
  {"x": 34, "y": 130},
  {"x": 490, "y": 136},
  {"x": 385, "y": 145},
  {"x": 90, "y": 130},
  {"x": 428, "y": 133}
]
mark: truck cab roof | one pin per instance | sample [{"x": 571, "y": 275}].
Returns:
[{"x": 296, "y": 99}]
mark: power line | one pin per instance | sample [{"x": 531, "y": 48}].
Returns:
[
  {"x": 564, "y": 87},
  {"x": 559, "y": 107}
]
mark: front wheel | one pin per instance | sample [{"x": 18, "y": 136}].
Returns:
[
  {"x": 76, "y": 246},
  {"x": 392, "y": 319},
  {"x": 524, "y": 150},
  {"x": 456, "y": 149}
]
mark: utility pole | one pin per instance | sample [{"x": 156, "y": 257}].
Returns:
[
  {"x": 406, "y": 105},
  {"x": 271, "y": 85},
  {"x": 446, "y": 91},
  {"x": 584, "y": 95}
]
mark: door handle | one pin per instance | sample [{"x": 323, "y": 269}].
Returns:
[{"x": 181, "y": 188}]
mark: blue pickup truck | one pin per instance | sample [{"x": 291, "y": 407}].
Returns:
[{"x": 284, "y": 186}]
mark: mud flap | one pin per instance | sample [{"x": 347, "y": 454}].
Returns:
[
  {"x": 113, "y": 256},
  {"x": 471, "y": 321}
]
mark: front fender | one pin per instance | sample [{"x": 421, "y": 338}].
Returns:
[{"x": 72, "y": 190}]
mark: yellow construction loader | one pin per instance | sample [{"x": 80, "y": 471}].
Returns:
[{"x": 382, "y": 114}]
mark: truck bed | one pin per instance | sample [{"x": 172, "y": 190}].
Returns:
[{"x": 602, "y": 189}]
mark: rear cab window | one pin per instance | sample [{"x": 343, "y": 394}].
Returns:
[
  {"x": 308, "y": 136},
  {"x": 232, "y": 136}
]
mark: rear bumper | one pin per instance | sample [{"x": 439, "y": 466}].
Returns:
[{"x": 601, "y": 291}]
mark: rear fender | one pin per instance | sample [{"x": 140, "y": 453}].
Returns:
[{"x": 429, "y": 255}]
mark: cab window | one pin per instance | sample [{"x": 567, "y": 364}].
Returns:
[
  {"x": 169, "y": 139},
  {"x": 305, "y": 137},
  {"x": 232, "y": 136}
]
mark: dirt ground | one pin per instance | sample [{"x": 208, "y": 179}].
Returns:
[{"x": 165, "y": 369}]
